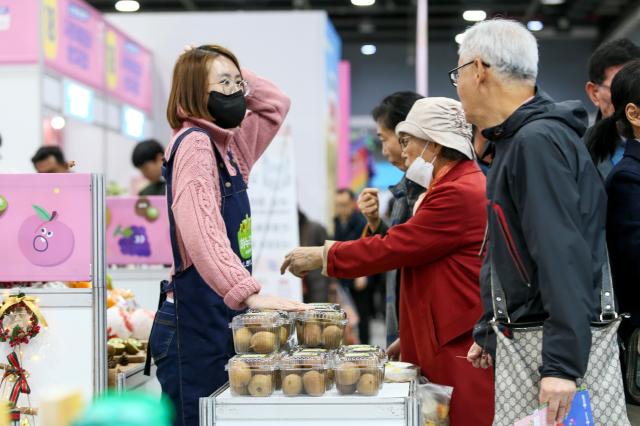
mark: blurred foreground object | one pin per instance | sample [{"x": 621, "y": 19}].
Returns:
[{"x": 128, "y": 409}]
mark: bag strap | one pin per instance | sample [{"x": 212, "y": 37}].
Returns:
[
  {"x": 499, "y": 301},
  {"x": 607, "y": 295}
]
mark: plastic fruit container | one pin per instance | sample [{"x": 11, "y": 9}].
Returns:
[
  {"x": 286, "y": 330},
  {"x": 305, "y": 373},
  {"x": 325, "y": 306},
  {"x": 400, "y": 372},
  {"x": 256, "y": 332},
  {"x": 361, "y": 374},
  {"x": 329, "y": 356},
  {"x": 365, "y": 349},
  {"x": 252, "y": 375},
  {"x": 318, "y": 328}
]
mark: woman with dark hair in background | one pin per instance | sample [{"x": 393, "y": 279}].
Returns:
[{"x": 623, "y": 189}]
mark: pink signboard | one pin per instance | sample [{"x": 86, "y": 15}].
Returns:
[
  {"x": 128, "y": 69},
  {"x": 344, "y": 134},
  {"x": 138, "y": 231},
  {"x": 19, "y": 31},
  {"x": 72, "y": 40},
  {"x": 45, "y": 223}
]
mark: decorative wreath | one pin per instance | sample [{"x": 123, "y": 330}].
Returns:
[{"x": 20, "y": 334}]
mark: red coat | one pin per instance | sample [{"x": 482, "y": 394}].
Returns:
[{"x": 437, "y": 250}]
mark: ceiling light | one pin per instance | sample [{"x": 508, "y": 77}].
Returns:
[
  {"x": 368, "y": 49},
  {"x": 474, "y": 15},
  {"x": 363, "y": 3},
  {"x": 535, "y": 25},
  {"x": 459, "y": 38},
  {"x": 552, "y": 2},
  {"x": 57, "y": 123},
  {"x": 127, "y": 6}
]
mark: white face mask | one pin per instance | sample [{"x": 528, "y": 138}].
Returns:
[{"x": 420, "y": 171}]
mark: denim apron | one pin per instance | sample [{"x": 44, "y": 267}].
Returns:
[{"x": 191, "y": 342}]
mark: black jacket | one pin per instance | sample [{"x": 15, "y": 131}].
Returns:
[
  {"x": 623, "y": 230},
  {"x": 547, "y": 208}
]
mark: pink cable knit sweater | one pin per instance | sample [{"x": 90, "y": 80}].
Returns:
[{"x": 201, "y": 232}]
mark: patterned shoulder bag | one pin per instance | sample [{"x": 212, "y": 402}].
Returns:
[{"x": 519, "y": 358}]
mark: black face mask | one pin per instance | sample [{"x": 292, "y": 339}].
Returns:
[{"x": 228, "y": 111}]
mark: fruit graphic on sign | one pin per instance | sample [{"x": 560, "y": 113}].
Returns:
[
  {"x": 44, "y": 239},
  {"x": 144, "y": 209},
  {"x": 134, "y": 241},
  {"x": 3, "y": 205}
]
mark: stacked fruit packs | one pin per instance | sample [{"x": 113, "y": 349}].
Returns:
[{"x": 269, "y": 359}]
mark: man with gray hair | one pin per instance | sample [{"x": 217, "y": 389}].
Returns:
[{"x": 546, "y": 231}]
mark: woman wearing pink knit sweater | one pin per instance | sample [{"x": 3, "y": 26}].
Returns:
[{"x": 215, "y": 145}]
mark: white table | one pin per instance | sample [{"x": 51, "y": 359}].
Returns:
[{"x": 395, "y": 405}]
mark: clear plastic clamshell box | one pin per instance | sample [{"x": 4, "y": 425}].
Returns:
[
  {"x": 358, "y": 373},
  {"x": 257, "y": 332},
  {"x": 321, "y": 328},
  {"x": 364, "y": 349},
  {"x": 253, "y": 375},
  {"x": 305, "y": 372},
  {"x": 286, "y": 331},
  {"x": 325, "y": 306}
]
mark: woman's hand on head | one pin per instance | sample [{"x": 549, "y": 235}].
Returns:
[{"x": 259, "y": 301}]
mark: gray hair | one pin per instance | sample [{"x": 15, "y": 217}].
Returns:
[{"x": 507, "y": 46}]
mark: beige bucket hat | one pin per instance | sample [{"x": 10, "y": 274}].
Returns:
[{"x": 440, "y": 120}]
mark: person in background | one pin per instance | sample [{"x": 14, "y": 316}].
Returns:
[
  {"x": 348, "y": 226},
  {"x": 392, "y": 110},
  {"x": 147, "y": 157},
  {"x": 623, "y": 189},
  {"x": 218, "y": 135},
  {"x": 50, "y": 159},
  {"x": 437, "y": 249},
  {"x": 315, "y": 285},
  {"x": 604, "y": 64},
  {"x": 546, "y": 207}
]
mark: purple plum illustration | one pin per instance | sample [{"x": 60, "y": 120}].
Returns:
[
  {"x": 134, "y": 241},
  {"x": 44, "y": 239}
]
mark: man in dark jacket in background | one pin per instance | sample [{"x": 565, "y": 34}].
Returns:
[
  {"x": 316, "y": 285},
  {"x": 349, "y": 225},
  {"x": 546, "y": 209}
]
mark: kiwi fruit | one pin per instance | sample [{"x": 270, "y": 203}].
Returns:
[
  {"x": 284, "y": 335},
  {"x": 239, "y": 374},
  {"x": 300, "y": 331},
  {"x": 292, "y": 385},
  {"x": 118, "y": 348},
  {"x": 263, "y": 342},
  {"x": 346, "y": 389},
  {"x": 239, "y": 390},
  {"x": 312, "y": 334},
  {"x": 242, "y": 339},
  {"x": 347, "y": 374},
  {"x": 313, "y": 383},
  {"x": 141, "y": 206},
  {"x": 131, "y": 347},
  {"x": 332, "y": 337},
  {"x": 261, "y": 385},
  {"x": 111, "y": 350},
  {"x": 368, "y": 384}
]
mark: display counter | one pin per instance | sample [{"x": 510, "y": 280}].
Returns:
[
  {"x": 133, "y": 378},
  {"x": 395, "y": 405}
]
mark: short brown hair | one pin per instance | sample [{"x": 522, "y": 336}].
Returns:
[{"x": 189, "y": 87}]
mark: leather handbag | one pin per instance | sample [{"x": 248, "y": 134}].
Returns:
[{"x": 519, "y": 358}]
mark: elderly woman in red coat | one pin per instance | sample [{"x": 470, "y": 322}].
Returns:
[{"x": 439, "y": 251}]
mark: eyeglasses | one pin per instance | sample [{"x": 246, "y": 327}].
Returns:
[
  {"x": 454, "y": 74},
  {"x": 229, "y": 87}
]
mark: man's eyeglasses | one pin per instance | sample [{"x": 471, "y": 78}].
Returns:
[{"x": 454, "y": 74}]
